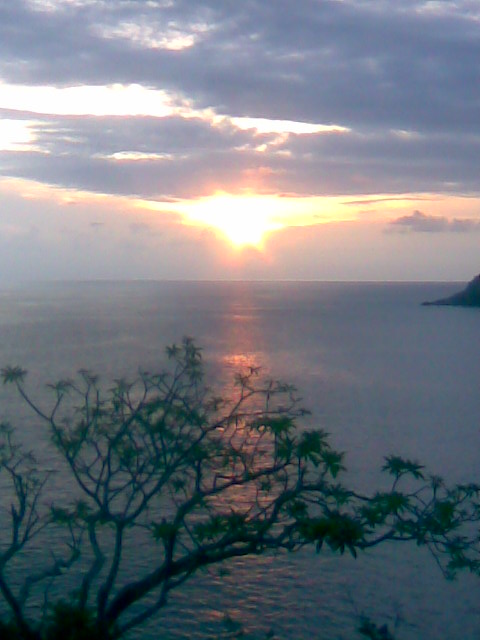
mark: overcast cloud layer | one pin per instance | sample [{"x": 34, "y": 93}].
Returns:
[{"x": 402, "y": 78}]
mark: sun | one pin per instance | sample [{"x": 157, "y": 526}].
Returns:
[
  {"x": 242, "y": 231},
  {"x": 243, "y": 220}
]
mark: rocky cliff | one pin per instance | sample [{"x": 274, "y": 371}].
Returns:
[{"x": 469, "y": 297}]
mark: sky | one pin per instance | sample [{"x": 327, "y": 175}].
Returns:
[{"x": 251, "y": 139}]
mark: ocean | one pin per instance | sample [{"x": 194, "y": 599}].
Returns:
[{"x": 379, "y": 372}]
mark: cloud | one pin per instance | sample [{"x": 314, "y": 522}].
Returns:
[
  {"x": 423, "y": 223},
  {"x": 16, "y": 232},
  {"x": 177, "y": 99},
  {"x": 142, "y": 228},
  {"x": 46, "y": 238},
  {"x": 179, "y": 156},
  {"x": 353, "y": 63},
  {"x": 402, "y": 78}
]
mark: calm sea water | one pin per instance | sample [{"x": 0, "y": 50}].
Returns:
[{"x": 380, "y": 372}]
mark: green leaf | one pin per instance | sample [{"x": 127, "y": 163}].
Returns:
[
  {"x": 338, "y": 530},
  {"x": 284, "y": 448},
  {"x": 61, "y": 387},
  {"x": 442, "y": 518},
  {"x": 333, "y": 462},
  {"x": 61, "y": 516},
  {"x": 278, "y": 425},
  {"x": 211, "y": 529},
  {"x": 297, "y": 509},
  {"x": 398, "y": 467},
  {"x": 88, "y": 377},
  {"x": 163, "y": 530},
  {"x": 10, "y": 375},
  {"x": 173, "y": 351},
  {"x": 370, "y": 630},
  {"x": 341, "y": 495},
  {"x": 83, "y": 510},
  {"x": 393, "y": 502},
  {"x": 312, "y": 445}
]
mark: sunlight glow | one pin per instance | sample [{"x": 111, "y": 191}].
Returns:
[
  {"x": 264, "y": 125},
  {"x": 247, "y": 219},
  {"x": 137, "y": 155},
  {"x": 137, "y": 100},
  {"x": 154, "y": 36},
  {"x": 15, "y": 135},
  {"x": 51, "y": 6},
  {"x": 115, "y": 100},
  {"x": 244, "y": 220}
]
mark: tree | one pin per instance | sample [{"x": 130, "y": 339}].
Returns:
[{"x": 207, "y": 478}]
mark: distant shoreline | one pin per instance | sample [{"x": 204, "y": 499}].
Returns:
[
  {"x": 468, "y": 297},
  {"x": 120, "y": 281}
]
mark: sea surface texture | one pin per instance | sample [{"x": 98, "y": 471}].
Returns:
[{"x": 380, "y": 373}]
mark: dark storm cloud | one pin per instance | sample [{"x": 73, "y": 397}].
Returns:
[
  {"x": 403, "y": 76},
  {"x": 423, "y": 223}
]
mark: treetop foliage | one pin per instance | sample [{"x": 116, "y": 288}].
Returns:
[{"x": 205, "y": 478}]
